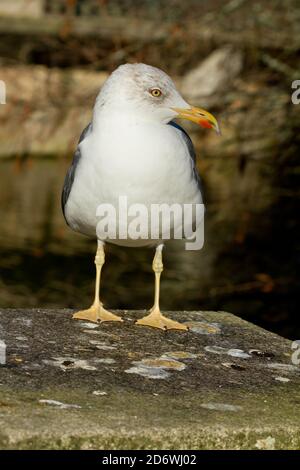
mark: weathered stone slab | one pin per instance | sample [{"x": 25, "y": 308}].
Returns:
[{"x": 70, "y": 384}]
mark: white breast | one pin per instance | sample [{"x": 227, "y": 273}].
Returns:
[{"x": 147, "y": 162}]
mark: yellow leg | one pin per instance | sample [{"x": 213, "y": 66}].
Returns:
[
  {"x": 97, "y": 313},
  {"x": 155, "y": 318}
]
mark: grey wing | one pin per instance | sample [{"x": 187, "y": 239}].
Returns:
[
  {"x": 192, "y": 152},
  {"x": 69, "y": 179}
]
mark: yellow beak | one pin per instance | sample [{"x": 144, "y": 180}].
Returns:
[{"x": 200, "y": 116}]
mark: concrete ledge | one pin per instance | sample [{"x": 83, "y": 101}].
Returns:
[{"x": 225, "y": 384}]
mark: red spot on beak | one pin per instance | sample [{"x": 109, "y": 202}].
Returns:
[{"x": 205, "y": 123}]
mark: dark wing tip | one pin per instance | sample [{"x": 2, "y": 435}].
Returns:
[
  {"x": 69, "y": 179},
  {"x": 192, "y": 152}
]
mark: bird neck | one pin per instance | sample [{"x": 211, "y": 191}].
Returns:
[{"x": 122, "y": 115}]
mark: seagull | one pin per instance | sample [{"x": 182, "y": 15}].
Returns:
[{"x": 133, "y": 148}]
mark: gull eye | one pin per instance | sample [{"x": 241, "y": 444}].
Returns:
[{"x": 156, "y": 92}]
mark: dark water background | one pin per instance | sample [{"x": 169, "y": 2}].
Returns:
[
  {"x": 43, "y": 263},
  {"x": 250, "y": 262}
]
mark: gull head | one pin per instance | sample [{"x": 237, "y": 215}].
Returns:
[{"x": 148, "y": 93}]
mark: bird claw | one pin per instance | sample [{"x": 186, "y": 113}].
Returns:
[
  {"x": 156, "y": 320},
  {"x": 96, "y": 314}
]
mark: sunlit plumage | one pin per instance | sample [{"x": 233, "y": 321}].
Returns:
[{"x": 133, "y": 148}]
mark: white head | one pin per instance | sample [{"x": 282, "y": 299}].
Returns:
[{"x": 149, "y": 93}]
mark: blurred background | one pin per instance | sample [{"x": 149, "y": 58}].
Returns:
[{"x": 236, "y": 58}]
